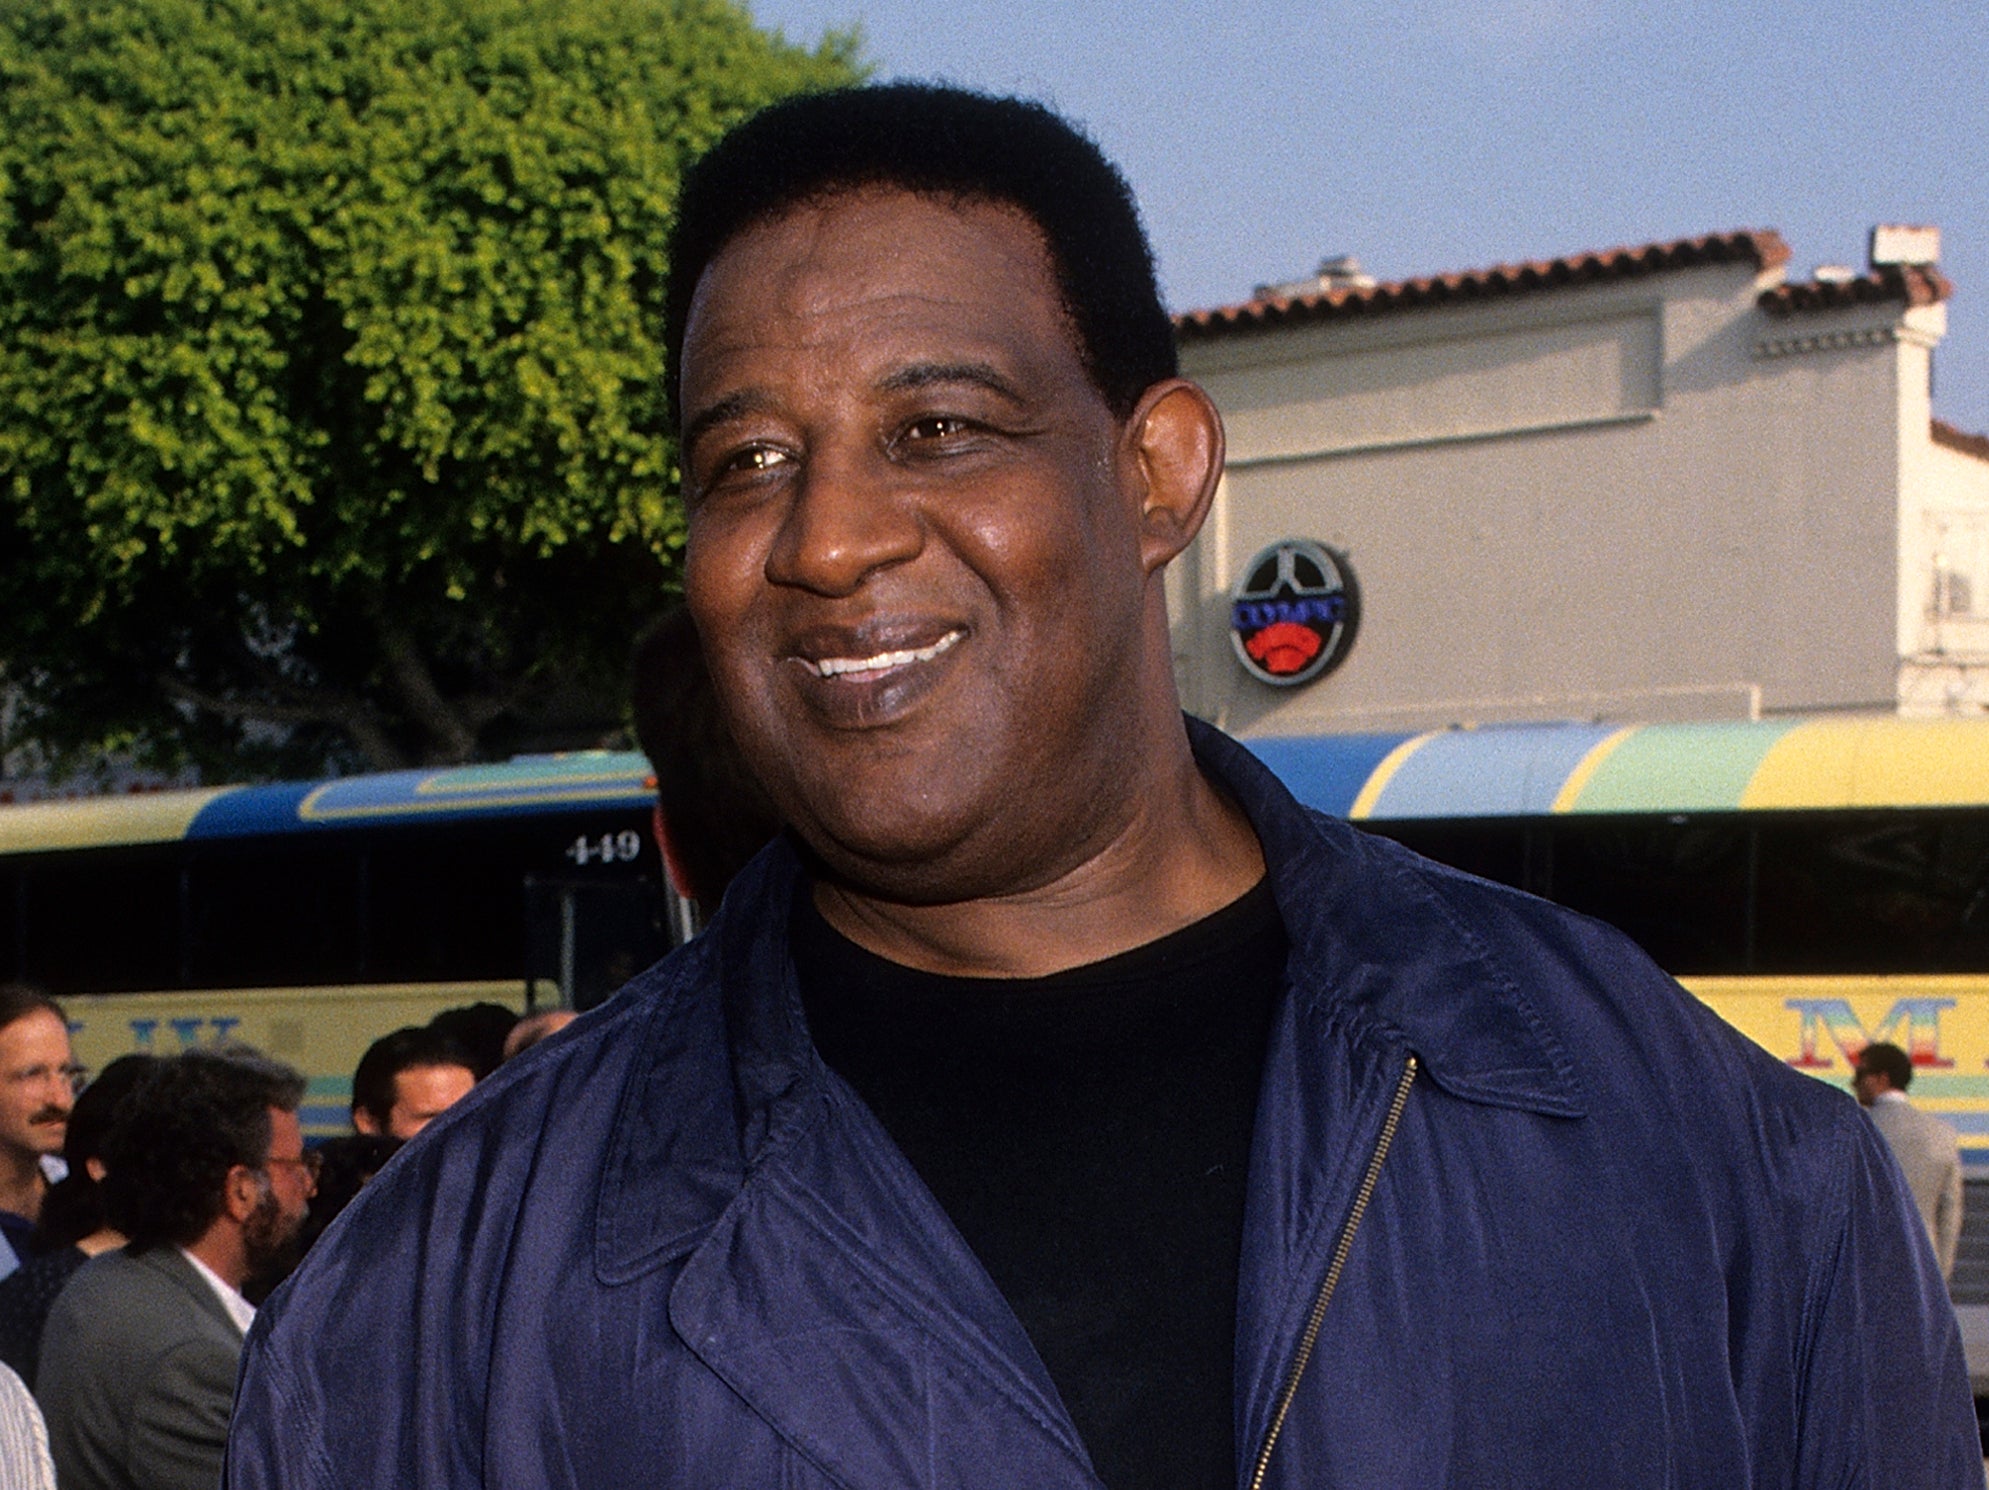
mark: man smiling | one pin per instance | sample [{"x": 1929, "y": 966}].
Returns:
[{"x": 1061, "y": 1104}]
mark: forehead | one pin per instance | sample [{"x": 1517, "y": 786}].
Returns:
[
  {"x": 286, "y": 1132},
  {"x": 875, "y": 273},
  {"x": 36, "y": 1029}
]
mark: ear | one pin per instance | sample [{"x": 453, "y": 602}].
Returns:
[
  {"x": 243, "y": 1193},
  {"x": 673, "y": 864},
  {"x": 1177, "y": 444},
  {"x": 364, "y": 1122}
]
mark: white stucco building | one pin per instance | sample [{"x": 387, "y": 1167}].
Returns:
[{"x": 1649, "y": 483}]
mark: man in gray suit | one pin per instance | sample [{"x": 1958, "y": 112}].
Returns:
[
  {"x": 1927, "y": 1149},
  {"x": 208, "y": 1177}
]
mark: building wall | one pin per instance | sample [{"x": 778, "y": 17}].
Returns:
[
  {"x": 1944, "y": 578},
  {"x": 1640, "y": 499}
]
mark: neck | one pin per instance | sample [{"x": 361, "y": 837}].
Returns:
[
  {"x": 221, "y": 1248},
  {"x": 1186, "y": 852},
  {"x": 22, "y": 1183}
]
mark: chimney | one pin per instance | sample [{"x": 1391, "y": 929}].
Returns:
[
  {"x": 1340, "y": 272},
  {"x": 1904, "y": 243}
]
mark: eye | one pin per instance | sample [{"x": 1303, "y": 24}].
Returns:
[
  {"x": 758, "y": 458},
  {"x": 935, "y": 427}
]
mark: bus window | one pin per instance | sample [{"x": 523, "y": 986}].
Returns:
[
  {"x": 588, "y": 937},
  {"x": 448, "y": 903},
  {"x": 1491, "y": 849},
  {"x": 272, "y": 915},
  {"x": 1678, "y": 886},
  {"x": 99, "y": 922},
  {"x": 1865, "y": 893}
]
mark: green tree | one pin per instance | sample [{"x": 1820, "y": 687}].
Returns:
[{"x": 331, "y": 401}]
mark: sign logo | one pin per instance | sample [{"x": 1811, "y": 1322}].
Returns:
[{"x": 1294, "y": 613}]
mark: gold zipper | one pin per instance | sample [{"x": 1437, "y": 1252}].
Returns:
[{"x": 1346, "y": 1243}]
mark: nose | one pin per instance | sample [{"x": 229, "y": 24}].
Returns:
[{"x": 850, "y": 515}]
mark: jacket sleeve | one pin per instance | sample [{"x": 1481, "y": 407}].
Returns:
[
  {"x": 1885, "y": 1394},
  {"x": 179, "y": 1419},
  {"x": 273, "y": 1442},
  {"x": 1947, "y": 1215}
]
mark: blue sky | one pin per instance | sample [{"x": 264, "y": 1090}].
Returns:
[{"x": 1430, "y": 135}]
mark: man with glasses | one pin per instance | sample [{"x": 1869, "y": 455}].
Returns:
[
  {"x": 37, "y": 1086},
  {"x": 209, "y": 1178}
]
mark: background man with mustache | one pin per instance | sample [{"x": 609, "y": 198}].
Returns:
[
  {"x": 1056, "y": 1102},
  {"x": 37, "y": 1073}
]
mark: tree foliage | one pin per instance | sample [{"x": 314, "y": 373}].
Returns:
[{"x": 331, "y": 398}]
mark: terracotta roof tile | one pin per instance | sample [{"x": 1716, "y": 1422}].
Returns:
[
  {"x": 1956, "y": 439},
  {"x": 1762, "y": 248},
  {"x": 1916, "y": 284}
]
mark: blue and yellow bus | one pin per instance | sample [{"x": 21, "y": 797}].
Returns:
[{"x": 307, "y": 919}]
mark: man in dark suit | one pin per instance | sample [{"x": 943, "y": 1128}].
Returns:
[{"x": 208, "y": 1177}]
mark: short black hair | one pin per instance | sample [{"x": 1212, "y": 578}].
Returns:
[
  {"x": 403, "y": 1050},
  {"x": 1888, "y": 1061},
  {"x": 954, "y": 144},
  {"x": 715, "y": 809},
  {"x": 174, "y": 1137},
  {"x": 479, "y": 1029},
  {"x": 74, "y": 1205}
]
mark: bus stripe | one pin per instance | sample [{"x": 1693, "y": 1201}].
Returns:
[
  {"x": 1579, "y": 778},
  {"x": 1510, "y": 772},
  {"x": 1873, "y": 763},
  {"x": 1385, "y": 772},
  {"x": 1679, "y": 768}
]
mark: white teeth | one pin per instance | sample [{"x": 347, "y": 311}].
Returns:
[{"x": 831, "y": 667}]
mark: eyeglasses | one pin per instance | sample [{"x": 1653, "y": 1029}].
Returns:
[
  {"x": 73, "y": 1076},
  {"x": 312, "y": 1162}
]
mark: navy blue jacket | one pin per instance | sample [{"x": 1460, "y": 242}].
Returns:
[{"x": 1521, "y": 1212}]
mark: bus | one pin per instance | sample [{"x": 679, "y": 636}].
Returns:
[{"x": 309, "y": 918}]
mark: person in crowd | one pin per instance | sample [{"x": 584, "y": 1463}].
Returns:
[
  {"x": 407, "y": 1079},
  {"x": 1056, "y": 1102},
  {"x": 711, "y": 815},
  {"x": 1928, "y": 1150},
  {"x": 74, "y": 1226},
  {"x": 534, "y": 1027},
  {"x": 345, "y": 1164},
  {"x": 479, "y": 1030},
  {"x": 24, "y": 1460},
  {"x": 206, "y": 1173},
  {"x": 37, "y": 1087}
]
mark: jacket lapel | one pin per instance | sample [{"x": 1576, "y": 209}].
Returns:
[
  {"x": 820, "y": 1280},
  {"x": 838, "y": 1300}
]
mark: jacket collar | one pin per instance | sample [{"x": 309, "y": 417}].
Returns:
[
  {"x": 169, "y": 1262},
  {"x": 1377, "y": 947},
  {"x": 1400, "y": 967}
]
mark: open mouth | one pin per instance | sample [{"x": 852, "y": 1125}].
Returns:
[{"x": 861, "y": 669}]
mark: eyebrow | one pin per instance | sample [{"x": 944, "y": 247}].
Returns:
[
  {"x": 930, "y": 374},
  {"x": 747, "y": 401}
]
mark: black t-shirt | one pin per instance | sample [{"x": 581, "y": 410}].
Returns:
[{"x": 1089, "y": 1134}]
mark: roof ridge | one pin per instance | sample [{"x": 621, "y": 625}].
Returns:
[
  {"x": 1763, "y": 247},
  {"x": 1960, "y": 439}
]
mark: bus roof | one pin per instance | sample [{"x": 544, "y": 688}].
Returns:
[
  {"x": 526, "y": 785},
  {"x": 1508, "y": 770},
  {"x": 1530, "y": 770}
]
